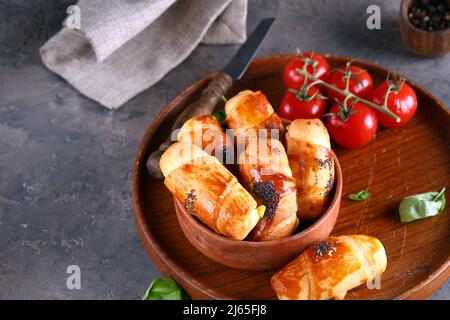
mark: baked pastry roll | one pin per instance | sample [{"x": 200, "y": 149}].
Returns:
[
  {"x": 328, "y": 269},
  {"x": 265, "y": 172},
  {"x": 248, "y": 112},
  {"x": 209, "y": 191},
  {"x": 311, "y": 160},
  {"x": 206, "y": 133}
]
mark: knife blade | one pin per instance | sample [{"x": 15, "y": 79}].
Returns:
[
  {"x": 240, "y": 61},
  {"x": 217, "y": 87}
]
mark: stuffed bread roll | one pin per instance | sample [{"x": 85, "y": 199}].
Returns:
[
  {"x": 265, "y": 172},
  {"x": 328, "y": 269},
  {"x": 248, "y": 112},
  {"x": 206, "y": 133},
  {"x": 312, "y": 164},
  {"x": 209, "y": 191}
]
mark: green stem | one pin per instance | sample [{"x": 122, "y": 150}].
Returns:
[
  {"x": 439, "y": 194},
  {"x": 223, "y": 99},
  {"x": 348, "y": 94}
]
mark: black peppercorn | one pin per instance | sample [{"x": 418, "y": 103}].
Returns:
[{"x": 430, "y": 15}]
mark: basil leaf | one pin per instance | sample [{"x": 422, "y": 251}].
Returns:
[
  {"x": 360, "y": 196},
  {"x": 220, "y": 115},
  {"x": 422, "y": 205},
  {"x": 164, "y": 289}
]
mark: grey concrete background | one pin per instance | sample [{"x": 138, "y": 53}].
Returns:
[{"x": 65, "y": 161}]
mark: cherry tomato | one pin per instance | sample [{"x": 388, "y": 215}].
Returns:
[
  {"x": 294, "y": 80},
  {"x": 357, "y": 130},
  {"x": 402, "y": 102},
  {"x": 360, "y": 83},
  {"x": 295, "y": 107}
]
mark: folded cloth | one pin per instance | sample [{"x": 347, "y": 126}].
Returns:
[{"x": 125, "y": 46}]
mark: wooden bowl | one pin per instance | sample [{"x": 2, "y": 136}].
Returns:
[
  {"x": 399, "y": 162},
  {"x": 424, "y": 43},
  {"x": 265, "y": 255}
]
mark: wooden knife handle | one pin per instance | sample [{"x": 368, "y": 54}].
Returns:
[{"x": 205, "y": 105}]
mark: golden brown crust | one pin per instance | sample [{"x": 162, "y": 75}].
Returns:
[
  {"x": 201, "y": 189},
  {"x": 264, "y": 170},
  {"x": 329, "y": 268},
  {"x": 206, "y": 133},
  {"x": 183, "y": 153},
  {"x": 311, "y": 130},
  {"x": 249, "y": 111},
  {"x": 312, "y": 165},
  {"x": 237, "y": 215},
  {"x": 208, "y": 190}
]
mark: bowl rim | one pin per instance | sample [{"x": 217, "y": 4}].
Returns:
[
  {"x": 334, "y": 205},
  {"x": 164, "y": 261},
  {"x": 404, "y": 6}
]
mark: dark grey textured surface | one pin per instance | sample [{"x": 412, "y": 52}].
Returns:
[{"x": 65, "y": 161}]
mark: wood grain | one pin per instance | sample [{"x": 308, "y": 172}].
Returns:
[
  {"x": 400, "y": 162},
  {"x": 423, "y": 43}
]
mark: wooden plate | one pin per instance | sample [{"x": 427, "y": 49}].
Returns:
[{"x": 400, "y": 162}]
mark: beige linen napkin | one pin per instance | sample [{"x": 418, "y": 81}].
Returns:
[{"x": 126, "y": 46}]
